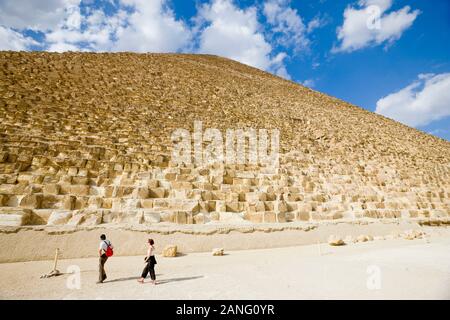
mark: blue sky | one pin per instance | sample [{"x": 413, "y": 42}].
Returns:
[{"x": 388, "y": 56}]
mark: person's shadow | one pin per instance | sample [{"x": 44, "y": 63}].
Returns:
[
  {"x": 158, "y": 281},
  {"x": 178, "y": 279}
]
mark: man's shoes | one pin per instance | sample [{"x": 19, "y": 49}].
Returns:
[
  {"x": 104, "y": 278},
  {"x": 98, "y": 282}
]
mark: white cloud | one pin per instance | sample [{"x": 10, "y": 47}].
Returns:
[
  {"x": 369, "y": 24},
  {"x": 316, "y": 23},
  {"x": 308, "y": 83},
  {"x": 32, "y": 14},
  {"x": 78, "y": 32},
  {"x": 278, "y": 67},
  {"x": 152, "y": 27},
  {"x": 220, "y": 27},
  {"x": 287, "y": 25},
  {"x": 226, "y": 30},
  {"x": 234, "y": 33},
  {"x": 12, "y": 40},
  {"x": 425, "y": 100}
]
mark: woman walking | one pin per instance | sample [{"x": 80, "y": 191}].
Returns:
[{"x": 150, "y": 263}]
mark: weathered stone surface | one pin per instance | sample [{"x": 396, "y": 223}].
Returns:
[
  {"x": 116, "y": 158},
  {"x": 362, "y": 238},
  {"x": 152, "y": 217},
  {"x": 412, "y": 234},
  {"x": 218, "y": 252},
  {"x": 76, "y": 220},
  {"x": 59, "y": 217},
  {"x": 334, "y": 240},
  {"x": 170, "y": 251},
  {"x": 51, "y": 189},
  {"x": 15, "y": 216},
  {"x": 31, "y": 201}
]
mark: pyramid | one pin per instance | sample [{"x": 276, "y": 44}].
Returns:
[{"x": 85, "y": 139}]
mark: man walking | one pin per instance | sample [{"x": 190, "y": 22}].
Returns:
[{"x": 104, "y": 251}]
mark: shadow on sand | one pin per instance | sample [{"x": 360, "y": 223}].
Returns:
[
  {"x": 177, "y": 279},
  {"x": 127, "y": 278}
]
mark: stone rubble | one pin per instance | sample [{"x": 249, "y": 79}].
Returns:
[{"x": 170, "y": 251}]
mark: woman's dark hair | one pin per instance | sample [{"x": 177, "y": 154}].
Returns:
[
  {"x": 151, "y": 241},
  {"x": 103, "y": 237}
]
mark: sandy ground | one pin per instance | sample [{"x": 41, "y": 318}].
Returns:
[
  {"x": 384, "y": 269},
  {"x": 40, "y": 243}
]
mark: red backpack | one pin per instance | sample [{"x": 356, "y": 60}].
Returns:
[{"x": 109, "y": 251}]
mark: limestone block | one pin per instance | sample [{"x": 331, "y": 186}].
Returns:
[
  {"x": 170, "y": 176},
  {"x": 200, "y": 218},
  {"x": 141, "y": 193},
  {"x": 76, "y": 220},
  {"x": 156, "y": 192},
  {"x": 212, "y": 206},
  {"x": 362, "y": 238},
  {"x": 280, "y": 206},
  {"x": 191, "y": 206},
  {"x": 232, "y": 206},
  {"x": 303, "y": 216},
  {"x": 79, "y": 190},
  {"x": 251, "y": 197},
  {"x": 59, "y": 217},
  {"x": 152, "y": 183},
  {"x": 68, "y": 202},
  {"x": 151, "y": 217},
  {"x": 50, "y": 201},
  {"x": 204, "y": 206},
  {"x": 80, "y": 180},
  {"x": 291, "y": 206},
  {"x": 147, "y": 203},
  {"x": 215, "y": 216},
  {"x": 7, "y": 188},
  {"x": 109, "y": 191},
  {"x": 292, "y": 197},
  {"x": 170, "y": 251},
  {"x": 334, "y": 240},
  {"x": 218, "y": 252},
  {"x": 3, "y": 200},
  {"x": 129, "y": 216},
  {"x": 31, "y": 201},
  {"x": 51, "y": 189},
  {"x": 161, "y": 203},
  {"x": 80, "y": 203},
  {"x": 206, "y": 195},
  {"x": 218, "y": 195},
  {"x": 182, "y": 217},
  {"x": 72, "y": 171},
  {"x": 15, "y": 216},
  {"x": 232, "y": 197},
  {"x": 412, "y": 234},
  {"x": 304, "y": 207},
  {"x": 230, "y": 217},
  {"x": 82, "y": 172},
  {"x": 95, "y": 202},
  {"x": 257, "y": 217},
  {"x": 179, "y": 185}
]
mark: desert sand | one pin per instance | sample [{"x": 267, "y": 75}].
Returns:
[
  {"x": 33, "y": 243},
  {"x": 407, "y": 269}
]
